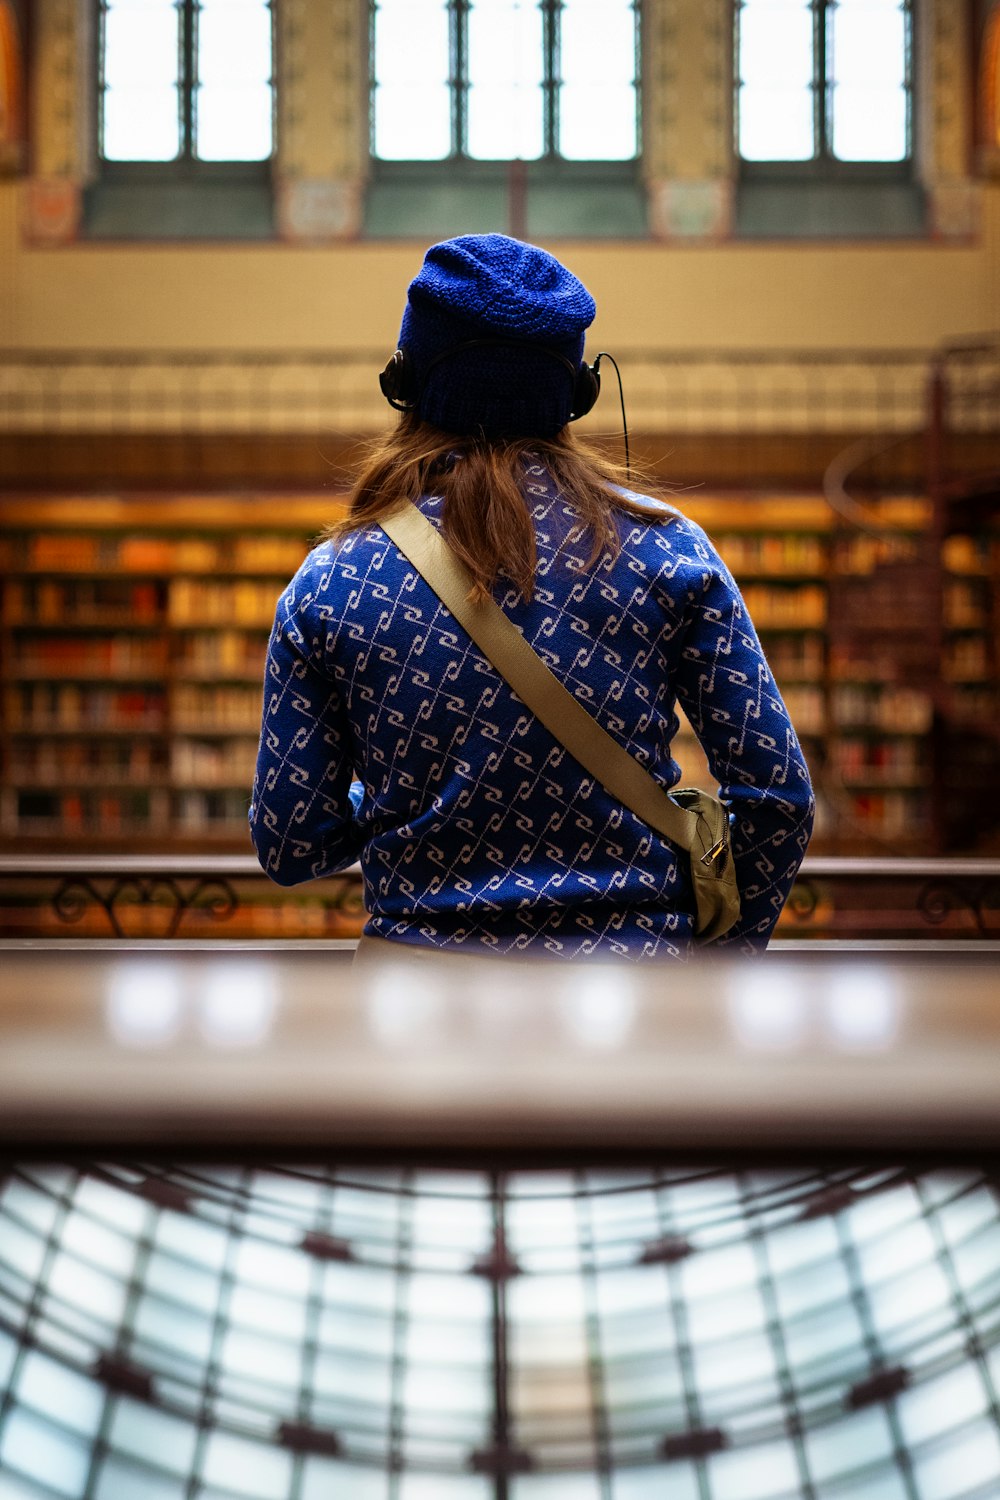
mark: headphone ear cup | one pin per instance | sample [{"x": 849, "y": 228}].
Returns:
[
  {"x": 398, "y": 382},
  {"x": 586, "y": 390}
]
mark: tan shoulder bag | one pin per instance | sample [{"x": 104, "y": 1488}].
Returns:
[{"x": 692, "y": 819}]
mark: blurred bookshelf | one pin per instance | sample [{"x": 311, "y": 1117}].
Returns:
[{"x": 133, "y": 631}]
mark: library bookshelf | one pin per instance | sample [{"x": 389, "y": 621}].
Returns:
[{"x": 133, "y": 631}]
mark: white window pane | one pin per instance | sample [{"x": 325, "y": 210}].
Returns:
[
  {"x": 505, "y": 44},
  {"x": 505, "y": 123},
  {"x": 66, "y": 1397},
  {"x": 141, "y": 125},
  {"x": 776, "y": 43},
  {"x": 234, "y": 124},
  {"x": 234, "y": 43},
  {"x": 119, "y": 1478},
  {"x": 412, "y": 106},
  {"x": 454, "y": 1487},
  {"x": 161, "y": 1439},
  {"x": 947, "y": 1471},
  {"x": 410, "y": 125},
  {"x": 756, "y": 1473},
  {"x": 84, "y": 1288},
  {"x": 597, "y": 124},
  {"x": 776, "y": 124},
  {"x": 411, "y": 43},
  {"x": 597, "y": 42},
  {"x": 941, "y": 1405},
  {"x": 859, "y": 1440},
  {"x": 868, "y": 46},
  {"x": 140, "y": 47},
  {"x": 505, "y": 104},
  {"x": 38, "y": 1450},
  {"x": 869, "y": 124},
  {"x": 248, "y": 1468}
]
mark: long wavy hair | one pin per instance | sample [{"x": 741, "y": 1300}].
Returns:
[{"x": 482, "y": 485}]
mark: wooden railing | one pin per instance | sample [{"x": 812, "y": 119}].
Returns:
[{"x": 164, "y": 897}]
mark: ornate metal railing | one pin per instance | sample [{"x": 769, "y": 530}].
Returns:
[
  {"x": 322, "y": 390},
  {"x": 220, "y": 896}
]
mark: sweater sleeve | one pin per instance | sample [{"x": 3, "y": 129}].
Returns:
[
  {"x": 303, "y": 814},
  {"x": 734, "y": 707}
]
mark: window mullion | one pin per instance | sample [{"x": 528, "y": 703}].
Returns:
[
  {"x": 459, "y": 30},
  {"x": 187, "y": 77},
  {"x": 821, "y": 83},
  {"x": 551, "y": 10}
]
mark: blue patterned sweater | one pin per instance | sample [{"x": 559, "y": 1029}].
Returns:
[{"x": 474, "y": 828}]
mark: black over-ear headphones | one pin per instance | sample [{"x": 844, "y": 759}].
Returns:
[{"x": 401, "y": 387}]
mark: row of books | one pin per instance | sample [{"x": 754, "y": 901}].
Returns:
[
  {"x": 782, "y": 554},
  {"x": 131, "y": 811},
  {"x": 779, "y": 552},
  {"x": 212, "y": 811},
  {"x": 84, "y": 601},
  {"x": 806, "y": 708},
  {"x": 890, "y": 708},
  {"x": 225, "y": 762},
  {"x": 876, "y": 761},
  {"x": 221, "y": 651},
  {"x": 102, "y": 812},
  {"x": 889, "y": 814},
  {"x": 122, "y": 654},
  {"x": 796, "y": 657},
  {"x": 40, "y": 706},
  {"x": 34, "y": 707},
  {"x": 247, "y": 601},
  {"x": 967, "y": 604},
  {"x": 75, "y": 552},
  {"x": 125, "y": 654},
  {"x": 214, "y": 706},
  {"x": 778, "y": 608},
  {"x": 49, "y": 761}
]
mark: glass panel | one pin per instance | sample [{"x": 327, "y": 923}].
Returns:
[
  {"x": 942, "y": 1405},
  {"x": 869, "y": 124},
  {"x": 141, "y": 59},
  {"x": 118, "y": 1479},
  {"x": 597, "y": 62},
  {"x": 648, "y": 1484},
  {"x": 36, "y": 1449},
  {"x": 597, "y": 124},
  {"x": 412, "y": 120},
  {"x": 861, "y": 1440},
  {"x": 866, "y": 70},
  {"x": 776, "y": 74},
  {"x": 777, "y": 125},
  {"x": 233, "y": 101},
  {"x": 952, "y": 1470},
  {"x": 67, "y": 1398},
  {"x": 166, "y": 1441},
  {"x": 505, "y": 99},
  {"x": 253, "y": 1469},
  {"x": 759, "y": 1473},
  {"x": 325, "y": 1478}
]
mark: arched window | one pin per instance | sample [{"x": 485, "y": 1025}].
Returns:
[
  {"x": 185, "y": 81},
  {"x": 824, "y": 82},
  {"x": 504, "y": 80}
]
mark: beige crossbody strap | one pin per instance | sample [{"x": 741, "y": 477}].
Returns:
[{"x": 563, "y": 716}]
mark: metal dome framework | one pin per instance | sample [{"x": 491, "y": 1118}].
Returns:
[{"x": 281, "y": 1334}]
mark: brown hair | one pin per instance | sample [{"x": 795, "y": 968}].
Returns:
[{"x": 485, "y": 518}]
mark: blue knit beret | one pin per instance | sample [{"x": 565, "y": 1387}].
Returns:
[{"x": 487, "y": 286}]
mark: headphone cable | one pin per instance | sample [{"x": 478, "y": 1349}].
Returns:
[{"x": 621, "y": 396}]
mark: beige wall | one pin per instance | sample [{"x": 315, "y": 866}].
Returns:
[
  {"x": 297, "y": 297},
  {"x": 667, "y": 293}
]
